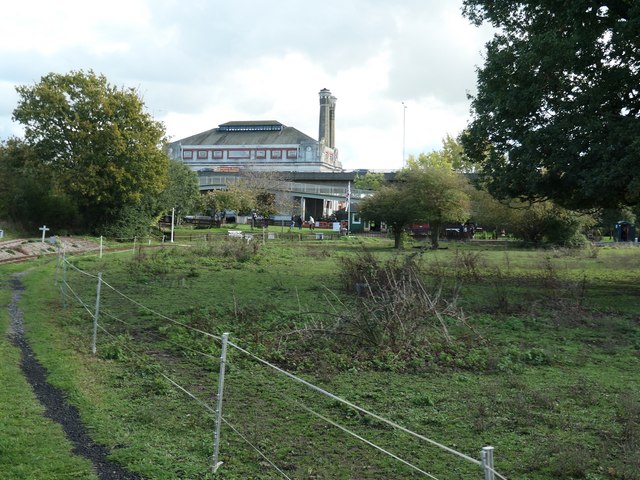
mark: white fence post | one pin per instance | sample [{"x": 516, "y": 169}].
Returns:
[
  {"x": 216, "y": 437},
  {"x": 487, "y": 463},
  {"x": 95, "y": 314},
  {"x": 100, "y": 246}
]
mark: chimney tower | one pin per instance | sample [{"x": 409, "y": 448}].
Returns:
[{"x": 327, "y": 119}]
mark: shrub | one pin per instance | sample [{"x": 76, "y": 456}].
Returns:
[{"x": 394, "y": 309}]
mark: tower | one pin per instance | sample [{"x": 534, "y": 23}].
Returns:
[{"x": 327, "y": 133}]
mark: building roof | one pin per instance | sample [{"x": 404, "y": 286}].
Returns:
[{"x": 252, "y": 132}]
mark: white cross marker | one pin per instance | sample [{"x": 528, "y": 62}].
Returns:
[{"x": 44, "y": 230}]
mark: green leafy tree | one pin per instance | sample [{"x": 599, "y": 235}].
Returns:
[
  {"x": 608, "y": 217},
  {"x": 99, "y": 146},
  {"x": 369, "y": 181},
  {"x": 394, "y": 205},
  {"x": 545, "y": 222},
  {"x": 434, "y": 159},
  {"x": 453, "y": 150},
  {"x": 265, "y": 204},
  {"x": 28, "y": 197},
  {"x": 557, "y": 113},
  {"x": 217, "y": 202},
  {"x": 181, "y": 192},
  {"x": 420, "y": 194},
  {"x": 532, "y": 222},
  {"x": 493, "y": 215},
  {"x": 451, "y": 156},
  {"x": 440, "y": 195}
]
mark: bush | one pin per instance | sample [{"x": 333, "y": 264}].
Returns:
[
  {"x": 394, "y": 309},
  {"x": 547, "y": 224}
]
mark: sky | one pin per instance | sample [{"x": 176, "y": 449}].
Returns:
[{"x": 401, "y": 70}]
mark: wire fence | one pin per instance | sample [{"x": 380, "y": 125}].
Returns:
[{"x": 282, "y": 418}]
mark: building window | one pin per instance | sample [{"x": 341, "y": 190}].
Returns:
[
  {"x": 203, "y": 155},
  {"x": 217, "y": 154},
  {"x": 241, "y": 154},
  {"x": 276, "y": 153},
  {"x": 261, "y": 154},
  {"x": 292, "y": 154},
  {"x": 187, "y": 155},
  {"x": 355, "y": 219}
]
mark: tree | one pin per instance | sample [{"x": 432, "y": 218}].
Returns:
[
  {"x": 440, "y": 195},
  {"x": 217, "y": 202},
  {"x": 420, "y": 194},
  {"x": 451, "y": 156},
  {"x": 182, "y": 190},
  {"x": 369, "y": 181},
  {"x": 267, "y": 192},
  {"x": 557, "y": 113},
  {"x": 98, "y": 145},
  {"x": 394, "y": 205},
  {"x": 608, "y": 217},
  {"x": 28, "y": 196},
  {"x": 453, "y": 150}
]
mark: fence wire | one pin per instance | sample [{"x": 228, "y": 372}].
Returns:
[{"x": 142, "y": 327}]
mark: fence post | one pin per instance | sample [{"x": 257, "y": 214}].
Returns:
[
  {"x": 487, "y": 463},
  {"x": 100, "y": 246},
  {"x": 63, "y": 285},
  {"x": 216, "y": 437},
  {"x": 95, "y": 314},
  {"x": 57, "y": 272}
]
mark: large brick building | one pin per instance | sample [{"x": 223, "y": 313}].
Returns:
[{"x": 263, "y": 145}]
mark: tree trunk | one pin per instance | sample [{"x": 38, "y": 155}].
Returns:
[
  {"x": 397, "y": 238},
  {"x": 435, "y": 236}
]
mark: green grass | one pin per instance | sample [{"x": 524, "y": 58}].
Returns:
[
  {"x": 553, "y": 387},
  {"x": 31, "y": 446}
]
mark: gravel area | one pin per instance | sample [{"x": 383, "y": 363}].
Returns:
[
  {"x": 22, "y": 249},
  {"x": 54, "y": 401}
]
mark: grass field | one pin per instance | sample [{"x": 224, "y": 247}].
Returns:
[{"x": 543, "y": 367}]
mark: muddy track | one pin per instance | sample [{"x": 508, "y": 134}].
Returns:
[{"x": 53, "y": 399}]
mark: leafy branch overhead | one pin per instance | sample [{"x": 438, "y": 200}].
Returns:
[{"x": 557, "y": 113}]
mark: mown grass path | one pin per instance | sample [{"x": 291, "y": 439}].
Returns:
[{"x": 53, "y": 400}]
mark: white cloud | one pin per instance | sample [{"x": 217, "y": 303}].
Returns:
[{"x": 199, "y": 63}]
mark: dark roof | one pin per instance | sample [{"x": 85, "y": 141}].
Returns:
[{"x": 252, "y": 132}]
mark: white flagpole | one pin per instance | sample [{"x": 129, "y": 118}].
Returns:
[
  {"x": 173, "y": 214},
  {"x": 349, "y": 208}
]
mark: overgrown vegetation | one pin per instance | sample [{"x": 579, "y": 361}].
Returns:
[{"x": 534, "y": 352}]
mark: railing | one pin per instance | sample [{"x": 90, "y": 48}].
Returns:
[{"x": 293, "y": 187}]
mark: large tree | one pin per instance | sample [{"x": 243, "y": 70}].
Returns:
[
  {"x": 98, "y": 144},
  {"x": 557, "y": 113}
]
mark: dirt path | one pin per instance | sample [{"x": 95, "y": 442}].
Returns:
[{"x": 54, "y": 401}]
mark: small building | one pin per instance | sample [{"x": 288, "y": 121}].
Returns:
[{"x": 624, "y": 232}]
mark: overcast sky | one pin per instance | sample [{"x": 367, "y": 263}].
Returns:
[{"x": 200, "y": 63}]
